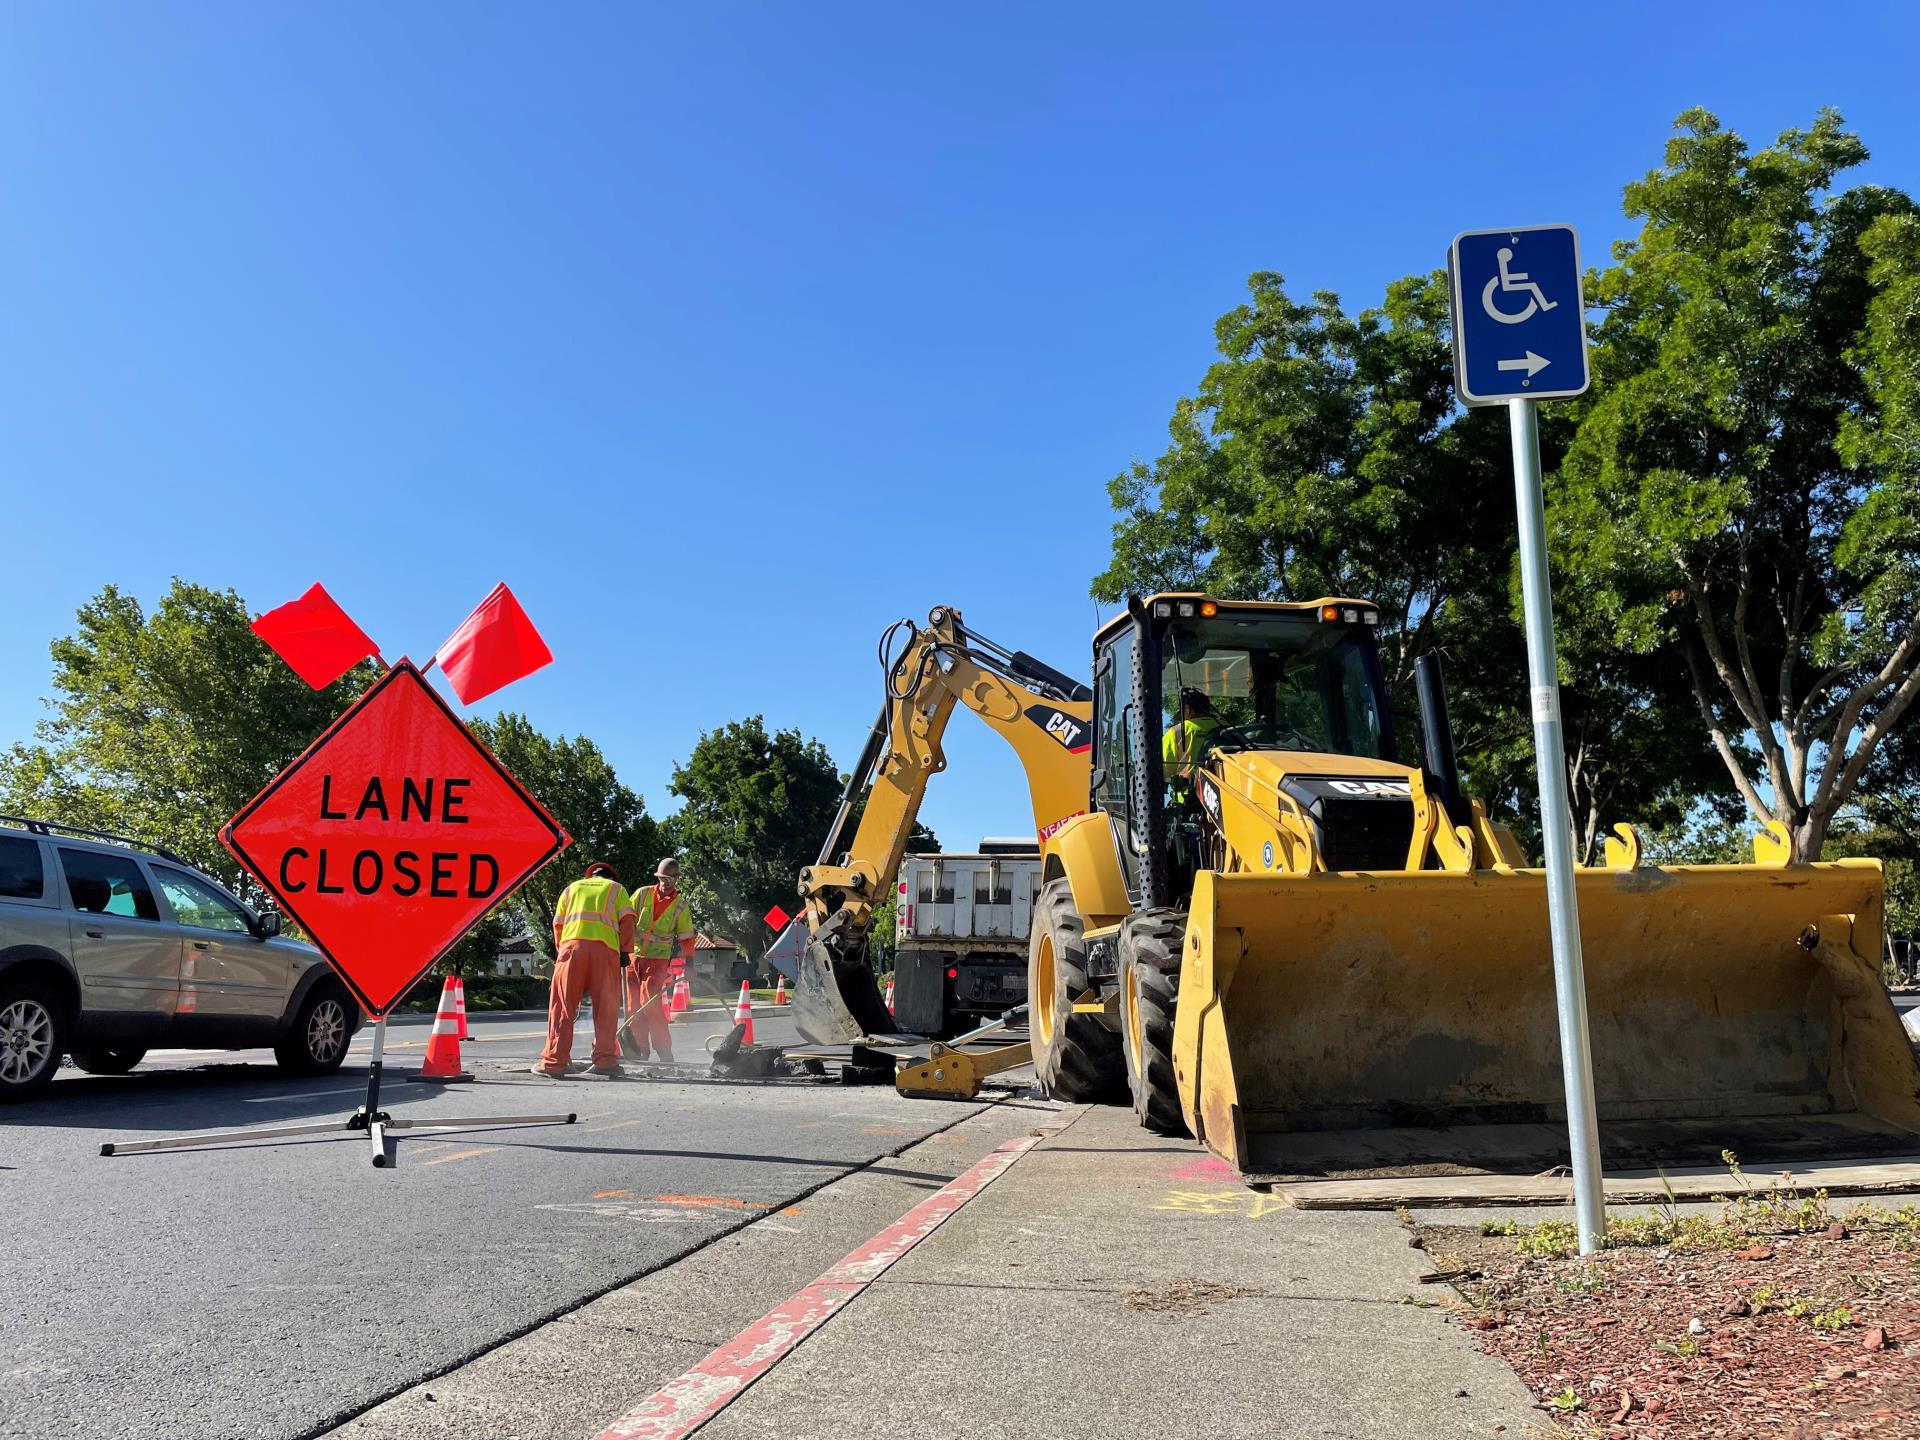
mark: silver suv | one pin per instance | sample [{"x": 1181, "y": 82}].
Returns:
[{"x": 109, "y": 947}]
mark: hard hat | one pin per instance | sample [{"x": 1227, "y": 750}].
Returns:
[
  {"x": 667, "y": 869},
  {"x": 600, "y": 867}
]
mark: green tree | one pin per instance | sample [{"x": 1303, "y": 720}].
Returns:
[
  {"x": 1739, "y": 494},
  {"x": 578, "y": 786},
  {"x": 755, "y": 810},
  {"x": 164, "y": 725}
]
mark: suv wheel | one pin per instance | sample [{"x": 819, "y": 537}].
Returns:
[
  {"x": 317, "y": 1043},
  {"x": 103, "y": 1060},
  {"x": 32, "y": 1038}
]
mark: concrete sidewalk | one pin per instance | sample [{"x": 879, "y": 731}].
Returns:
[
  {"x": 1112, "y": 1284},
  {"x": 1106, "y": 1284}
]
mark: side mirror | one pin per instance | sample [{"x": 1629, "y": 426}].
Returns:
[{"x": 269, "y": 924}]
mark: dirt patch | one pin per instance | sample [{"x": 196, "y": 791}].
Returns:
[
  {"x": 1806, "y": 1336},
  {"x": 1185, "y": 1295}
]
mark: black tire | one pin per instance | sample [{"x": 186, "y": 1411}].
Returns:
[
  {"x": 1076, "y": 1057},
  {"x": 106, "y": 1060},
  {"x": 316, "y": 1044},
  {"x": 1150, "y": 949},
  {"x": 33, "y": 1037}
]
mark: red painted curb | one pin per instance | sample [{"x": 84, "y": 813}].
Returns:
[{"x": 682, "y": 1406}]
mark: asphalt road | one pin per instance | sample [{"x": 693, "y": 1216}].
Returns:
[{"x": 272, "y": 1289}]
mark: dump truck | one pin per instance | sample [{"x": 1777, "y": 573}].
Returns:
[
  {"x": 960, "y": 935},
  {"x": 1264, "y": 926}
]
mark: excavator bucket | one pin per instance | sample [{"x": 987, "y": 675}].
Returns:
[
  {"x": 835, "y": 998},
  {"x": 1374, "y": 1023}
]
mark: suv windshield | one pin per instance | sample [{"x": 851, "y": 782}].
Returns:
[{"x": 1271, "y": 682}]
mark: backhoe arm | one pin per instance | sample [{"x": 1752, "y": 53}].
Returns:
[{"x": 1046, "y": 716}]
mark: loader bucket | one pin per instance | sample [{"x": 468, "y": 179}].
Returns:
[
  {"x": 1344, "y": 1023},
  {"x": 835, "y": 998}
]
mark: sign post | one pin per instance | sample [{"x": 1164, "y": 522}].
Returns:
[
  {"x": 386, "y": 840},
  {"x": 1519, "y": 337}
]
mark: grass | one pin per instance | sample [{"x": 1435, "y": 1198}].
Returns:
[{"x": 1780, "y": 1208}]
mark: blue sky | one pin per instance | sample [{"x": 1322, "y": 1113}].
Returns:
[{"x": 726, "y": 333}]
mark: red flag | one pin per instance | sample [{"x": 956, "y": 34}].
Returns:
[
  {"x": 776, "y": 917},
  {"x": 493, "y": 647},
  {"x": 316, "y": 637}
]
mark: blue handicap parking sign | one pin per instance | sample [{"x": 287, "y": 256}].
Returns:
[{"x": 1519, "y": 320}]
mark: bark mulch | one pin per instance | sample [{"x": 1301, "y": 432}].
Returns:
[{"x": 1809, "y": 1335}]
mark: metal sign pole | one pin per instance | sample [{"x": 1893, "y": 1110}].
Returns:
[
  {"x": 1563, "y": 912},
  {"x": 374, "y": 1118}
]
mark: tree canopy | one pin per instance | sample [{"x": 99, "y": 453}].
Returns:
[
  {"x": 755, "y": 807},
  {"x": 164, "y": 725},
  {"x": 1740, "y": 490}
]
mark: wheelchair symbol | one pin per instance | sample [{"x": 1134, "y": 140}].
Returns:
[{"x": 1514, "y": 281}]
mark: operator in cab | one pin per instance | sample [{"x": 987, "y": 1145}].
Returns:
[{"x": 1185, "y": 744}]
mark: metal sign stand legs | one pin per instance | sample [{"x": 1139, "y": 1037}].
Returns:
[{"x": 369, "y": 1118}]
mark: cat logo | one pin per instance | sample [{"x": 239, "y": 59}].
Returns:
[
  {"x": 1071, "y": 733},
  {"x": 1374, "y": 789}
]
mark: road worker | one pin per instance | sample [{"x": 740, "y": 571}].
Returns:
[
  {"x": 592, "y": 944},
  {"x": 1185, "y": 744},
  {"x": 663, "y": 932}
]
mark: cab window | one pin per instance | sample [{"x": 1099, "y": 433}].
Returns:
[
  {"x": 198, "y": 905},
  {"x": 108, "y": 885},
  {"x": 1271, "y": 681},
  {"x": 22, "y": 876}
]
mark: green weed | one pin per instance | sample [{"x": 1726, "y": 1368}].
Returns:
[
  {"x": 1581, "y": 1280},
  {"x": 1566, "y": 1402}
]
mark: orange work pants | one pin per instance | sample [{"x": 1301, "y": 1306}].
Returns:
[
  {"x": 647, "y": 1029},
  {"x": 583, "y": 968}
]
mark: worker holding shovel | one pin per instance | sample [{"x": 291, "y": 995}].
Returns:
[{"x": 664, "y": 927}]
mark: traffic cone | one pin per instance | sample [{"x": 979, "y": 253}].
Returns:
[
  {"x": 743, "y": 1014},
  {"x": 443, "y": 1045},
  {"x": 460, "y": 1004},
  {"x": 682, "y": 996},
  {"x": 780, "y": 991},
  {"x": 889, "y": 995}
]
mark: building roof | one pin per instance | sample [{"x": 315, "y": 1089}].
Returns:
[{"x": 713, "y": 942}]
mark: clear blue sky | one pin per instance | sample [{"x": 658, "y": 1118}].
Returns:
[{"x": 726, "y": 333}]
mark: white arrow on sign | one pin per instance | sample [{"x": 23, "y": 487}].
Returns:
[{"x": 1533, "y": 364}]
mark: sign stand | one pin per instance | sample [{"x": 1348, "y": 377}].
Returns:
[
  {"x": 370, "y": 1118},
  {"x": 1520, "y": 337}
]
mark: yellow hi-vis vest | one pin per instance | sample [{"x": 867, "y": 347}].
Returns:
[
  {"x": 659, "y": 939},
  {"x": 590, "y": 909}
]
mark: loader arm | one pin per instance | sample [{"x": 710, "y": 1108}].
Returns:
[{"x": 1047, "y": 718}]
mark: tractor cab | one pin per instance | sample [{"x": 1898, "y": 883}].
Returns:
[{"x": 1180, "y": 677}]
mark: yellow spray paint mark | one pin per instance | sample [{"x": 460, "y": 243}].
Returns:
[{"x": 1246, "y": 1204}]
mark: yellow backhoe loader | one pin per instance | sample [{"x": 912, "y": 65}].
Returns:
[{"x": 1273, "y": 933}]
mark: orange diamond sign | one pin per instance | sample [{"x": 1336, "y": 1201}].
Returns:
[{"x": 391, "y": 836}]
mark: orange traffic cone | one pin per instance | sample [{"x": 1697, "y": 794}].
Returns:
[
  {"x": 889, "y": 996},
  {"x": 682, "y": 996},
  {"x": 443, "y": 1045},
  {"x": 460, "y": 1004},
  {"x": 743, "y": 1014},
  {"x": 780, "y": 991}
]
